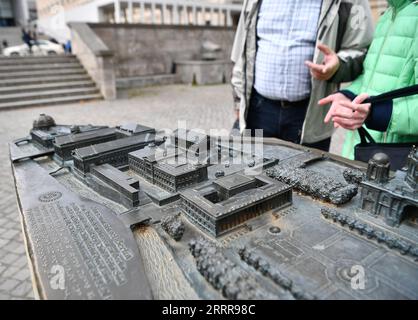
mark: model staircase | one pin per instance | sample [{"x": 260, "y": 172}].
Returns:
[{"x": 36, "y": 81}]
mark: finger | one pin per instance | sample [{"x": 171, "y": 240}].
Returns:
[
  {"x": 315, "y": 74},
  {"x": 348, "y": 127},
  {"x": 314, "y": 66},
  {"x": 318, "y": 75},
  {"x": 348, "y": 115},
  {"x": 364, "y": 108},
  {"x": 360, "y": 98},
  {"x": 328, "y": 117},
  {"x": 338, "y": 124},
  {"x": 352, "y": 128},
  {"x": 348, "y": 123},
  {"x": 324, "y": 48},
  {"x": 361, "y": 108},
  {"x": 341, "y": 126},
  {"x": 338, "y": 113},
  {"x": 326, "y": 100}
]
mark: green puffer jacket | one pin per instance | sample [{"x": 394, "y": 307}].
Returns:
[{"x": 391, "y": 63}]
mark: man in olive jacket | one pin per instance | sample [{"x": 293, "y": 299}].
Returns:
[{"x": 276, "y": 86}]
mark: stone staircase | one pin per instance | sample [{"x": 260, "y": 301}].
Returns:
[{"x": 35, "y": 81}]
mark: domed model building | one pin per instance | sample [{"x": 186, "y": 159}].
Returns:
[
  {"x": 45, "y": 130},
  {"x": 379, "y": 168},
  {"x": 412, "y": 172},
  {"x": 392, "y": 198},
  {"x": 44, "y": 122}
]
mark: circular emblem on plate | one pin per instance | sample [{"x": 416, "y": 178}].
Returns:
[{"x": 50, "y": 196}]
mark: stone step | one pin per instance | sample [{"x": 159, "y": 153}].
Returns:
[
  {"x": 38, "y": 95},
  {"x": 36, "y": 60},
  {"x": 49, "y": 101},
  {"x": 44, "y": 80},
  {"x": 41, "y": 73},
  {"x": 47, "y": 79},
  {"x": 30, "y": 67},
  {"x": 46, "y": 86}
]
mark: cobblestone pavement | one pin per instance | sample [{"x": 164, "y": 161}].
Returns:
[{"x": 201, "y": 107}]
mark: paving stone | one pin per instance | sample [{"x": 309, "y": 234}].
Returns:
[
  {"x": 11, "y": 225},
  {"x": 9, "y": 258},
  {"x": 4, "y": 296},
  {"x": 9, "y": 272},
  {"x": 22, "y": 274},
  {"x": 3, "y": 242},
  {"x": 20, "y": 250},
  {"x": 10, "y": 234},
  {"x": 21, "y": 261},
  {"x": 8, "y": 285},
  {"x": 12, "y": 246},
  {"x": 21, "y": 289}
]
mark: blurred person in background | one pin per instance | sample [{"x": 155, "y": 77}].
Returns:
[
  {"x": 27, "y": 39},
  {"x": 391, "y": 63},
  {"x": 67, "y": 47},
  {"x": 4, "y": 45},
  {"x": 276, "y": 84},
  {"x": 34, "y": 32}
]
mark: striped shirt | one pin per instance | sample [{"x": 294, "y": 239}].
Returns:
[{"x": 286, "y": 31}]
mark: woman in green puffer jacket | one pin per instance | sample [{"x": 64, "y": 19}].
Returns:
[{"x": 391, "y": 63}]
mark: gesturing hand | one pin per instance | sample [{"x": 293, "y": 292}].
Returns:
[
  {"x": 345, "y": 113},
  {"x": 329, "y": 66}
]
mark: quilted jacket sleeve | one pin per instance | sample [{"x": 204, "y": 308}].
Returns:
[{"x": 404, "y": 119}]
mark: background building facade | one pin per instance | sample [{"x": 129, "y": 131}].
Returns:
[
  {"x": 55, "y": 14},
  {"x": 52, "y": 16},
  {"x": 17, "y": 12}
]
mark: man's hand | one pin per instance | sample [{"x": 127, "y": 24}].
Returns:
[
  {"x": 345, "y": 113},
  {"x": 236, "y": 111},
  {"x": 329, "y": 66}
]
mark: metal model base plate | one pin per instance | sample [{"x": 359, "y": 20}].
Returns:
[{"x": 106, "y": 250}]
